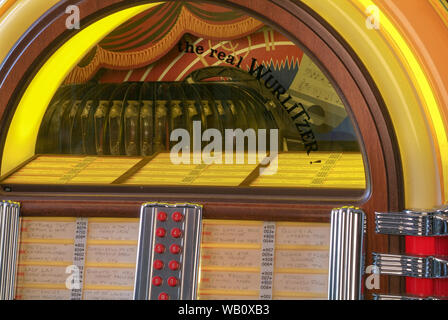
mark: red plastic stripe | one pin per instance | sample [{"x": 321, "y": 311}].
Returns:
[
  {"x": 424, "y": 246},
  {"x": 441, "y": 285}
]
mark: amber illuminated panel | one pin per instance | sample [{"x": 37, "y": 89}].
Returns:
[
  {"x": 230, "y": 259},
  {"x": 318, "y": 170},
  {"x": 46, "y": 250},
  {"x": 161, "y": 171},
  {"x": 295, "y": 170},
  {"x": 72, "y": 170}
]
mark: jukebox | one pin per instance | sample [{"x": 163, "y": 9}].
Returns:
[{"x": 223, "y": 149}]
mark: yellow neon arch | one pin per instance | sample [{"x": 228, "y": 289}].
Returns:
[
  {"x": 413, "y": 127},
  {"x": 16, "y": 16},
  {"x": 5, "y": 5},
  {"x": 23, "y": 131},
  {"x": 425, "y": 92}
]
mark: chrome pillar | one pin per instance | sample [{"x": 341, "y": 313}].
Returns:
[
  {"x": 346, "y": 254},
  {"x": 9, "y": 243}
]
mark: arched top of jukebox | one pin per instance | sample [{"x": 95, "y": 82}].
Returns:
[
  {"x": 387, "y": 53},
  {"x": 185, "y": 94}
]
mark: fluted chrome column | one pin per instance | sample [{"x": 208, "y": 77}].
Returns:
[
  {"x": 9, "y": 242},
  {"x": 346, "y": 254}
]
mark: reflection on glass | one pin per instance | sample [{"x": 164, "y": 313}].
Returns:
[{"x": 250, "y": 84}]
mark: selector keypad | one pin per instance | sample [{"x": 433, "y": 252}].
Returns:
[{"x": 167, "y": 262}]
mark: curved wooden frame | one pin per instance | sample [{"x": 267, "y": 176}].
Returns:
[{"x": 301, "y": 25}]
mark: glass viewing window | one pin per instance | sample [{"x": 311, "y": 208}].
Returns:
[{"x": 229, "y": 102}]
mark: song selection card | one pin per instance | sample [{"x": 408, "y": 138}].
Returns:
[
  {"x": 232, "y": 258},
  {"x": 273, "y": 260},
  {"x": 104, "y": 250}
]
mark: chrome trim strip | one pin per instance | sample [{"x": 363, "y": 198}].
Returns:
[
  {"x": 411, "y": 266},
  {"x": 413, "y": 223}
]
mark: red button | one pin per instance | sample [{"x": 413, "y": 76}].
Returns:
[
  {"x": 172, "y": 281},
  {"x": 176, "y": 233},
  {"x": 174, "y": 265},
  {"x": 161, "y": 216},
  {"x": 158, "y": 265},
  {"x": 157, "y": 281},
  {"x": 177, "y": 216},
  {"x": 160, "y": 232},
  {"x": 164, "y": 296},
  {"x": 159, "y": 248},
  {"x": 174, "y": 249}
]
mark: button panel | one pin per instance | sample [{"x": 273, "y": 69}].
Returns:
[{"x": 168, "y": 256}]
